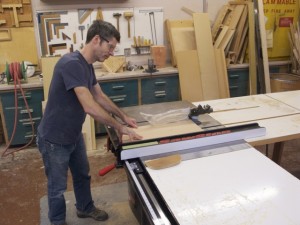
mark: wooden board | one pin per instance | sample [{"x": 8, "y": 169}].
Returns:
[
  {"x": 181, "y": 36},
  {"x": 248, "y": 109},
  {"x": 262, "y": 28},
  {"x": 189, "y": 76},
  {"x": 252, "y": 50},
  {"x": 47, "y": 64},
  {"x": 153, "y": 132},
  {"x": 222, "y": 73},
  {"x": 290, "y": 98},
  {"x": 206, "y": 56},
  {"x": 10, "y": 50}
]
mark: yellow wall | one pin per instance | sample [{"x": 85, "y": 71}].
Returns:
[{"x": 22, "y": 47}]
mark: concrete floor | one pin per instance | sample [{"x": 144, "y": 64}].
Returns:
[{"x": 113, "y": 198}]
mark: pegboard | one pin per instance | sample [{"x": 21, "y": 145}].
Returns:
[{"x": 60, "y": 32}]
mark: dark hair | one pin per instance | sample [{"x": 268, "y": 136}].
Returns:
[{"x": 103, "y": 29}]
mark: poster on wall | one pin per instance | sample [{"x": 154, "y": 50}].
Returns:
[
  {"x": 278, "y": 17},
  {"x": 65, "y": 31}
]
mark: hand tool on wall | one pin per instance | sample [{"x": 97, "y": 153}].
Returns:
[
  {"x": 117, "y": 16},
  {"x": 128, "y": 16},
  {"x": 81, "y": 28},
  {"x": 153, "y": 27},
  {"x": 13, "y": 13}
]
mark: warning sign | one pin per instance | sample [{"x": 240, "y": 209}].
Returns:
[{"x": 279, "y": 14}]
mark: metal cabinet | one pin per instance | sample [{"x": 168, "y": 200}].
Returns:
[
  {"x": 160, "y": 89},
  {"x": 21, "y": 124},
  {"x": 122, "y": 93},
  {"x": 238, "y": 80}
]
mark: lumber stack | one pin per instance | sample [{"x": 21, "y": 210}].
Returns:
[
  {"x": 294, "y": 39},
  {"x": 230, "y": 31}
]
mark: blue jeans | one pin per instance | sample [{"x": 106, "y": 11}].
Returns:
[{"x": 57, "y": 159}]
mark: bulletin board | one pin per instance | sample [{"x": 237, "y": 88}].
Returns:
[{"x": 65, "y": 31}]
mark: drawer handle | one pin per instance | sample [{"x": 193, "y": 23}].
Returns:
[
  {"x": 30, "y": 136},
  {"x": 160, "y": 94},
  {"x": 29, "y": 120},
  {"x": 234, "y": 76},
  {"x": 24, "y": 111},
  {"x": 160, "y": 83},
  {"x": 119, "y": 87},
  {"x": 26, "y": 97},
  {"x": 118, "y": 99},
  {"x": 28, "y": 124},
  {"x": 233, "y": 87}
]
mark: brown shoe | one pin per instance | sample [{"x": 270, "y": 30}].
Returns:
[{"x": 96, "y": 214}]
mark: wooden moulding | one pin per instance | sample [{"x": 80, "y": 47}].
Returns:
[{"x": 5, "y": 34}]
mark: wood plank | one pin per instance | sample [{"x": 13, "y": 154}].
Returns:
[
  {"x": 220, "y": 37},
  {"x": 262, "y": 28},
  {"x": 189, "y": 76},
  {"x": 206, "y": 56},
  {"x": 47, "y": 64},
  {"x": 171, "y": 129},
  {"x": 252, "y": 50},
  {"x": 222, "y": 73}
]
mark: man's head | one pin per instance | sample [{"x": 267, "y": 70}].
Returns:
[
  {"x": 105, "y": 30},
  {"x": 101, "y": 41}
]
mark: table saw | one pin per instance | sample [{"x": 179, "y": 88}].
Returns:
[{"x": 219, "y": 179}]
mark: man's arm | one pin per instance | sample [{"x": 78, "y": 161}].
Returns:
[
  {"x": 101, "y": 98},
  {"x": 100, "y": 114}
]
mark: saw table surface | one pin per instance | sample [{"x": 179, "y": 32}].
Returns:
[
  {"x": 239, "y": 187},
  {"x": 278, "y": 112}
]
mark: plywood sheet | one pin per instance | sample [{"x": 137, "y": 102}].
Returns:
[
  {"x": 288, "y": 97},
  {"x": 189, "y": 76},
  {"x": 153, "y": 132},
  {"x": 206, "y": 56},
  {"x": 248, "y": 109},
  {"x": 181, "y": 36}
]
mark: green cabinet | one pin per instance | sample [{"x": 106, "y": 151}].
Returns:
[
  {"x": 22, "y": 125},
  {"x": 160, "y": 89},
  {"x": 238, "y": 80},
  {"x": 122, "y": 93}
]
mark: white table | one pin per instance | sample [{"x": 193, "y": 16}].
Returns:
[
  {"x": 278, "y": 112},
  {"x": 240, "y": 187}
]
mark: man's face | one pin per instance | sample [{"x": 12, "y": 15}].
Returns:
[{"x": 106, "y": 48}]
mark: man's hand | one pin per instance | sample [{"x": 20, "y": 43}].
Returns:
[
  {"x": 130, "y": 121},
  {"x": 128, "y": 131}
]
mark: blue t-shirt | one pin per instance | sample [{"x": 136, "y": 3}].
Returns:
[{"x": 63, "y": 117}]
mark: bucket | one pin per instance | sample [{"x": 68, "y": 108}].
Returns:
[{"x": 284, "y": 82}]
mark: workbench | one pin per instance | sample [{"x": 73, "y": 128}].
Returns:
[
  {"x": 278, "y": 112},
  {"x": 227, "y": 182}
]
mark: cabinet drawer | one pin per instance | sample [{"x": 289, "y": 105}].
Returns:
[
  {"x": 161, "y": 89},
  {"x": 238, "y": 80},
  {"x": 122, "y": 93},
  {"x": 23, "y": 132}
]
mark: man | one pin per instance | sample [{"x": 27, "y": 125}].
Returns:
[{"x": 74, "y": 92}]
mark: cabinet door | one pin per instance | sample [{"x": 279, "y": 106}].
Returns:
[
  {"x": 160, "y": 89},
  {"x": 238, "y": 82},
  {"x": 122, "y": 93},
  {"x": 23, "y": 125}
]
